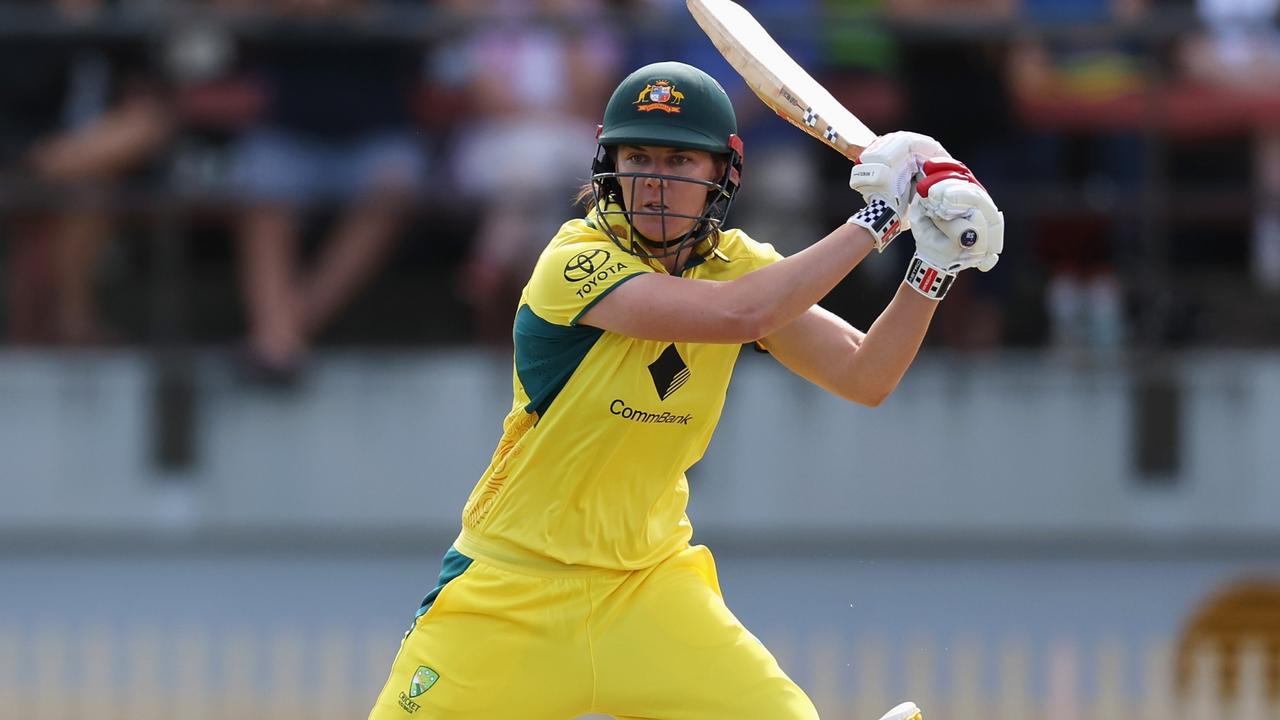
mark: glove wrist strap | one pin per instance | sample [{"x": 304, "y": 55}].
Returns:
[
  {"x": 881, "y": 220},
  {"x": 928, "y": 279}
]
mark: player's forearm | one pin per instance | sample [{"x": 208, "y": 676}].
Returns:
[
  {"x": 777, "y": 294},
  {"x": 890, "y": 346}
]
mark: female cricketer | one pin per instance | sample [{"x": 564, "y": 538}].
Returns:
[{"x": 572, "y": 587}]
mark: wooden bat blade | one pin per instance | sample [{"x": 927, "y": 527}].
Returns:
[{"x": 777, "y": 79}]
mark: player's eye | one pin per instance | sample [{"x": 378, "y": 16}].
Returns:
[{"x": 636, "y": 159}]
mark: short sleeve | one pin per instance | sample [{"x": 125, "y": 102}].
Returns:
[
  {"x": 569, "y": 279},
  {"x": 747, "y": 254}
]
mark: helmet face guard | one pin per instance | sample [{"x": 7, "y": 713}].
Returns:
[
  {"x": 608, "y": 197},
  {"x": 671, "y": 105}
]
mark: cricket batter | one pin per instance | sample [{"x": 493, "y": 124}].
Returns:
[{"x": 572, "y": 587}]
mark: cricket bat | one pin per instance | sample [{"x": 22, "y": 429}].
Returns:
[{"x": 777, "y": 79}]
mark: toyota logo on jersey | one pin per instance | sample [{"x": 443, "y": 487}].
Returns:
[{"x": 584, "y": 264}]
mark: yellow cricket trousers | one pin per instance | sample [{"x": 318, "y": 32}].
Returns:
[{"x": 496, "y": 642}]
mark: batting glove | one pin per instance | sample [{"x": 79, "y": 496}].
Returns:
[
  {"x": 956, "y": 226},
  {"x": 883, "y": 175}
]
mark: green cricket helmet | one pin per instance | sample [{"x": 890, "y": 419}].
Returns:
[{"x": 667, "y": 104}]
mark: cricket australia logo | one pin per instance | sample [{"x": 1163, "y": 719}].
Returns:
[
  {"x": 422, "y": 681},
  {"x": 669, "y": 372},
  {"x": 659, "y": 95}
]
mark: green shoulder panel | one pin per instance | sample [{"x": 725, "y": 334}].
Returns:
[{"x": 547, "y": 355}]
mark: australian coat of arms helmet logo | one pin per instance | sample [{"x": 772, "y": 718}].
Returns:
[{"x": 659, "y": 95}]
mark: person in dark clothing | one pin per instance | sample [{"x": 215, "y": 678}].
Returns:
[
  {"x": 337, "y": 128},
  {"x": 80, "y": 116}
]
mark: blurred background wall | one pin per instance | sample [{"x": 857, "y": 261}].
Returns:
[{"x": 259, "y": 262}]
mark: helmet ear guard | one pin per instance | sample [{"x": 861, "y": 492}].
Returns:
[
  {"x": 604, "y": 176},
  {"x": 718, "y": 208},
  {"x": 737, "y": 155}
]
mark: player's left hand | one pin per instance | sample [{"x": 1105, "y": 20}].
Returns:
[
  {"x": 956, "y": 226},
  {"x": 884, "y": 175}
]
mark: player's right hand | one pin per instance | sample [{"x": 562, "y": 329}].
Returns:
[{"x": 885, "y": 175}]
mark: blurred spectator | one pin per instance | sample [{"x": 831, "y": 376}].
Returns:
[
  {"x": 214, "y": 101},
  {"x": 535, "y": 75},
  {"x": 1240, "y": 48},
  {"x": 77, "y": 116},
  {"x": 1083, "y": 297},
  {"x": 337, "y": 126},
  {"x": 956, "y": 90}
]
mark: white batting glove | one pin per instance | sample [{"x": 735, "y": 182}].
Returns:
[
  {"x": 884, "y": 175},
  {"x": 956, "y": 226}
]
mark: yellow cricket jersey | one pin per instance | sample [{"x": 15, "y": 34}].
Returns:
[{"x": 590, "y": 467}]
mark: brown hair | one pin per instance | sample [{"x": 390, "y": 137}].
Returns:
[{"x": 586, "y": 195}]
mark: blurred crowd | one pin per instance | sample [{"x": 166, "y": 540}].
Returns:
[{"x": 386, "y": 171}]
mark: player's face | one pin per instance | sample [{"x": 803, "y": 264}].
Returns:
[{"x": 658, "y": 203}]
